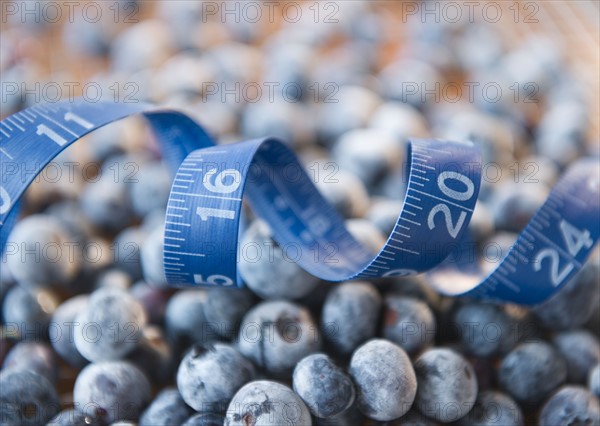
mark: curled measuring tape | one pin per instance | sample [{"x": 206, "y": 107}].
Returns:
[{"x": 204, "y": 208}]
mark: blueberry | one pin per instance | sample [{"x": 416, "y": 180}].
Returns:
[
  {"x": 575, "y": 303},
  {"x": 275, "y": 335},
  {"x": 210, "y": 375},
  {"x": 267, "y": 403},
  {"x": 114, "y": 278},
  {"x": 581, "y": 351},
  {"x": 368, "y": 153},
  {"x": 205, "y": 419},
  {"x": 111, "y": 391},
  {"x": 33, "y": 356},
  {"x": 61, "y": 329},
  {"x": 493, "y": 409},
  {"x": 594, "y": 380},
  {"x": 384, "y": 213},
  {"x": 323, "y": 386},
  {"x": 185, "y": 320},
  {"x": 408, "y": 322},
  {"x": 110, "y": 327},
  {"x": 413, "y": 418},
  {"x": 571, "y": 405},
  {"x": 422, "y": 76},
  {"x": 154, "y": 300},
  {"x": 151, "y": 189},
  {"x": 268, "y": 270},
  {"x": 26, "y": 313},
  {"x": 127, "y": 251},
  {"x": 167, "y": 408},
  {"x": 225, "y": 308},
  {"x": 153, "y": 355},
  {"x": 27, "y": 396},
  {"x": 447, "y": 385},
  {"x": 513, "y": 205},
  {"x": 400, "y": 121},
  {"x": 42, "y": 251},
  {"x": 485, "y": 329},
  {"x": 350, "y": 315},
  {"x": 532, "y": 371},
  {"x": 151, "y": 256},
  {"x": 343, "y": 189},
  {"x": 384, "y": 378},
  {"x": 72, "y": 417},
  {"x": 106, "y": 204},
  {"x": 365, "y": 233}
]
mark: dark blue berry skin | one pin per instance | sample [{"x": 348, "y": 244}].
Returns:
[
  {"x": 111, "y": 391},
  {"x": 111, "y": 326},
  {"x": 571, "y": 405},
  {"x": 205, "y": 419},
  {"x": 413, "y": 418},
  {"x": 485, "y": 329},
  {"x": 72, "y": 417},
  {"x": 581, "y": 351},
  {"x": 28, "y": 397},
  {"x": 36, "y": 357},
  {"x": 493, "y": 409},
  {"x": 185, "y": 320},
  {"x": 351, "y": 312},
  {"x": 275, "y": 335},
  {"x": 154, "y": 355},
  {"x": 385, "y": 380},
  {"x": 210, "y": 375},
  {"x": 594, "y": 380},
  {"x": 447, "y": 385},
  {"x": 575, "y": 303},
  {"x": 408, "y": 322},
  {"x": 168, "y": 408},
  {"x": 225, "y": 308},
  {"x": 127, "y": 246},
  {"x": 532, "y": 371},
  {"x": 26, "y": 313},
  {"x": 61, "y": 330},
  {"x": 351, "y": 416},
  {"x": 323, "y": 386},
  {"x": 267, "y": 403},
  {"x": 154, "y": 300}
]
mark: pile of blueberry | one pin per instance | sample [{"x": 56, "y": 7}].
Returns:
[{"x": 92, "y": 335}]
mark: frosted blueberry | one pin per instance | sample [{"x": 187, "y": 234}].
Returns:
[
  {"x": 269, "y": 269},
  {"x": 205, "y": 419},
  {"x": 408, "y": 322},
  {"x": 151, "y": 191},
  {"x": 485, "y": 329},
  {"x": 185, "y": 320},
  {"x": 447, "y": 385},
  {"x": 493, "y": 409},
  {"x": 114, "y": 278},
  {"x": 61, "y": 329},
  {"x": 225, "y": 308},
  {"x": 43, "y": 251},
  {"x": 366, "y": 233},
  {"x": 111, "y": 391},
  {"x": 532, "y": 371},
  {"x": 351, "y": 416},
  {"x": 384, "y": 213},
  {"x": 151, "y": 256},
  {"x": 571, "y": 405},
  {"x": 167, "y": 408},
  {"x": 106, "y": 203},
  {"x": 27, "y": 313},
  {"x": 581, "y": 351},
  {"x": 275, "y": 335},
  {"x": 350, "y": 316},
  {"x": 154, "y": 300},
  {"x": 345, "y": 191},
  {"x": 110, "y": 326},
  {"x": 323, "y": 386},
  {"x": 400, "y": 121},
  {"x": 27, "y": 397},
  {"x": 267, "y": 403},
  {"x": 368, "y": 153},
  {"x": 594, "y": 380},
  {"x": 421, "y": 76},
  {"x": 513, "y": 205},
  {"x": 384, "y": 378},
  {"x": 33, "y": 356},
  {"x": 573, "y": 304},
  {"x": 210, "y": 375},
  {"x": 127, "y": 251}
]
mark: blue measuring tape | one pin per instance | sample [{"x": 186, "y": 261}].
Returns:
[{"x": 204, "y": 209}]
